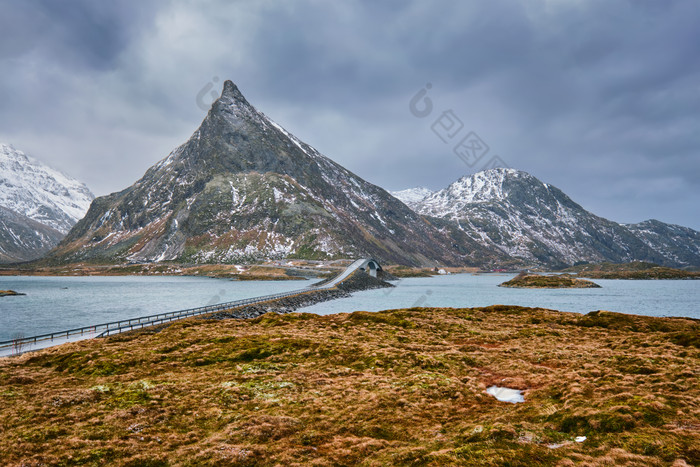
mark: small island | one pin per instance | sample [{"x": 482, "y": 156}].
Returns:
[
  {"x": 8, "y": 293},
  {"x": 536, "y": 281}
]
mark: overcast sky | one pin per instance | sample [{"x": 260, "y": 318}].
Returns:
[{"x": 600, "y": 98}]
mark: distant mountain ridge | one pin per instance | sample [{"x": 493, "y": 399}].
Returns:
[
  {"x": 536, "y": 222},
  {"x": 243, "y": 188},
  {"x": 38, "y": 206}
]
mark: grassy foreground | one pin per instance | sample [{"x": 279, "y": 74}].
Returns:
[{"x": 402, "y": 387}]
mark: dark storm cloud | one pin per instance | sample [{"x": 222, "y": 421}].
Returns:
[
  {"x": 81, "y": 33},
  {"x": 599, "y": 98}
]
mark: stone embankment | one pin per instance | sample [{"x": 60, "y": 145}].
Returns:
[{"x": 358, "y": 281}]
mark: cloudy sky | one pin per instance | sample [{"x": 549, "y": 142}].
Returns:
[{"x": 600, "y": 98}]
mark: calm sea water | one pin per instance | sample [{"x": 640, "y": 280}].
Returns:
[{"x": 58, "y": 303}]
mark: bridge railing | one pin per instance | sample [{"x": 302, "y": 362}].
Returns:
[
  {"x": 18, "y": 345},
  {"x": 115, "y": 327},
  {"x": 159, "y": 319}
]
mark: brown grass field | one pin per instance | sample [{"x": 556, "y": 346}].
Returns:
[{"x": 402, "y": 387}]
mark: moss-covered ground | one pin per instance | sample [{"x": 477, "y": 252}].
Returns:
[{"x": 403, "y": 387}]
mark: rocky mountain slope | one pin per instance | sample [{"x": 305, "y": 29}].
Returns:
[
  {"x": 38, "y": 206},
  {"x": 536, "y": 222},
  {"x": 242, "y": 188},
  {"x": 679, "y": 245}
]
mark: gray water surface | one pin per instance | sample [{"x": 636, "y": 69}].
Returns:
[
  {"x": 649, "y": 297},
  {"x": 59, "y": 303}
]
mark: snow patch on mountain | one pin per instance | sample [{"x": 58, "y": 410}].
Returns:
[{"x": 412, "y": 196}]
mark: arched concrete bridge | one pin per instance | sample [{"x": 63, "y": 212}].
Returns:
[{"x": 369, "y": 265}]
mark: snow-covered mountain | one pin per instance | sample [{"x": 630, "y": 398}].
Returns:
[
  {"x": 38, "y": 206},
  {"x": 243, "y": 188},
  {"x": 536, "y": 222},
  {"x": 24, "y": 239},
  {"x": 412, "y": 196},
  {"x": 39, "y": 192}
]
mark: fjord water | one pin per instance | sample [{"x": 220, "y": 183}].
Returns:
[{"x": 59, "y": 303}]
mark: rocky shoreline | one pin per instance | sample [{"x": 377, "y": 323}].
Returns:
[{"x": 10, "y": 293}]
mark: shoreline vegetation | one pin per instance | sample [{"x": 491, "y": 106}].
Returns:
[
  {"x": 398, "y": 387},
  {"x": 295, "y": 269},
  {"x": 270, "y": 270},
  {"x": 537, "y": 281},
  {"x": 632, "y": 271}
]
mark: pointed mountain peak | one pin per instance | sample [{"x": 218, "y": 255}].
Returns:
[
  {"x": 231, "y": 91},
  {"x": 230, "y": 96},
  {"x": 234, "y": 108}
]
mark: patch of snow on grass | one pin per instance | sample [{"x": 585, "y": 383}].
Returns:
[{"x": 506, "y": 394}]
